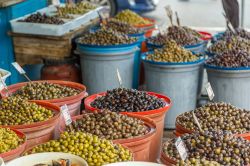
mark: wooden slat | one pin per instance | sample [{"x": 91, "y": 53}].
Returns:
[
  {"x": 32, "y": 42},
  {"x": 6, "y": 3},
  {"x": 57, "y": 52}
]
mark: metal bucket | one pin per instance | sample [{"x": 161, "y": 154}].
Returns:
[
  {"x": 230, "y": 85},
  {"x": 179, "y": 81},
  {"x": 99, "y": 65}
]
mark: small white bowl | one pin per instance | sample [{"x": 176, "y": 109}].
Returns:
[
  {"x": 47, "y": 157},
  {"x": 134, "y": 163}
]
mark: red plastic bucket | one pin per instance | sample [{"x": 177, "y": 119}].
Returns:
[
  {"x": 157, "y": 116},
  {"x": 140, "y": 146},
  {"x": 205, "y": 35},
  {"x": 12, "y": 154},
  {"x": 73, "y": 102},
  {"x": 39, "y": 132}
]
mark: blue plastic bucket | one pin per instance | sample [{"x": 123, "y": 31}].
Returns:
[
  {"x": 100, "y": 63},
  {"x": 179, "y": 81},
  {"x": 230, "y": 85},
  {"x": 137, "y": 60}
]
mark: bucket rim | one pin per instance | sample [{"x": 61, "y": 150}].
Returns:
[
  {"x": 47, "y": 105},
  {"x": 167, "y": 100},
  {"x": 226, "y": 68},
  {"x": 15, "y": 87},
  {"x": 201, "y": 43},
  {"x": 199, "y": 61},
  {"x": 108, "y": 46}
]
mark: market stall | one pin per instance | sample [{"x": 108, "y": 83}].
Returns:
[{"x": 92, "y": 109}]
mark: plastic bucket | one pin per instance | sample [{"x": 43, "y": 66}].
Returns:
[
  {"x": 73, "y": 102},
  {"x": 177, "y": 80},
  {"x": 166, "y": 159},
  {"x": 230, "y": 85},
  {"x": 39, "y": 132},
  {"x": 137, "y": 60},
  {"x": 147, "y": 28},
  {"x": 100, "y": 63},
  {"x": 140, "y": 146},
  {"x": 206, "y": 37},
  {"x": 12, "y": 154},
  {"x": 180, "y": 130},
  {"x": 157, "y": 116},
  {"x": 47, "y": 157},
  {"x": 244, "y": 135}
]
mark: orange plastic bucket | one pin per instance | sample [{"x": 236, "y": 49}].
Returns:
[
  {"x": 39, "y": 132},
  {"x": 166, "y": 159},
  {"x": 148, "y": 29},
  {"x": 73, "y": 102},
  {"x": 157, "y": 116},
  {"x": 12, "y": 154},
  {"x": 140, "y": 146}
]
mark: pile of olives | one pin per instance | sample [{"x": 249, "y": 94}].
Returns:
[
  {"x": 16, "y": 111},
  {"x": 131, "y": 18},
  {"x": 239, "y": 32},
  {"x": 45, "y": 91},
  {"x": 43, "y": 18},
  {"x": 121, "y": 27},
  {"x": 231, "y": 59},
  {"x": 221, "y": 147},
  {"x": 160, "y": 39},
  {"x": 192, "y": 31},
  {"x": 104, "y": 37},
  {"x": 9, "y": 140},
  {"x": 181, "y": 36},
  {"x": 217, "y": 116},
  {"x": 127, "y": 100},
  {"x": 171, "y": 52},
  {"x": 94, "y": 150},
  {"x": 77, "y": 9},
  {"x": 233, "y": 43},
  {"x": 197, "y": 162},
  {"x": 110, "y": 125}
]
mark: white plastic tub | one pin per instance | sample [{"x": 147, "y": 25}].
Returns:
[
  {"x": 47, "y": 157},
  {"x": 52, "y": 29}
]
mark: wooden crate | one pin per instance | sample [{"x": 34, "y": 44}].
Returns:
[{"x": 32, "y": 49}]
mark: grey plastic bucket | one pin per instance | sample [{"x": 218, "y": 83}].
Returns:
[
  {"x": 99, "y": 67},
  {"x": 178, "y": 81},
  {"x": 230, "y": 85}
]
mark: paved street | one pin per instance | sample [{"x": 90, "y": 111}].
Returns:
[{"x": 198, "y": 13}]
